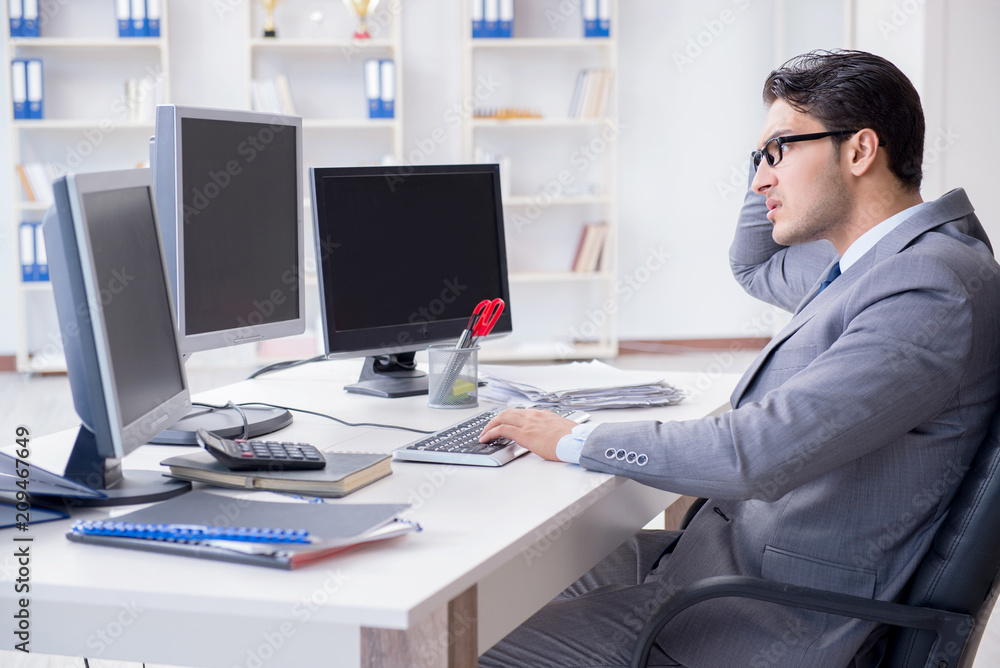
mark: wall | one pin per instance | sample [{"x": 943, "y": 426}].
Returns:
[{"x": 690, "y": 107}]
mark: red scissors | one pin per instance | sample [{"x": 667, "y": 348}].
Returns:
[{"x": 484, "y": 316}]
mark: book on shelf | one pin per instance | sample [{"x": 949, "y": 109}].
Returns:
[
  {"x": 36, "y": 181},
  {"x": 590, "y": 247},
  {"x": 345, "y": 472},
  {"x": 277, "y": 534},
  {"x": 596, "y": 18},
  {"x": 591, "y": 93},
  {"x": 272, "y": 95},
  {"x": 142, "y": 95}
]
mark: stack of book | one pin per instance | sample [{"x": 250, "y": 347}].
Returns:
[
  {"x": 142, "y": 95},
  {"x": 591, "y": 94},
  {"x": 344, "y": 473},
  {"x": 588, "y": 251},
  {"x": 486, "y": 157},
  {"x": 272, "y": 95},
  {"x": 36, "y": 180}
]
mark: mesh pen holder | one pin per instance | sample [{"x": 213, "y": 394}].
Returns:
[{"x": 453, "y": 376}]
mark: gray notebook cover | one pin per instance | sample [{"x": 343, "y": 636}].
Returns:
[{"x": 340, "y": 524}]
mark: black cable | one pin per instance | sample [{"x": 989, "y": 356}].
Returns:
[
  {"x": 323, "y": 415},
  {"x": 287, "y": 364},
  {"x": 243, "y": 416}
]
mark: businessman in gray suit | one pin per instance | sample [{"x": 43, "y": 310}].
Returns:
[{"x": 850, "y": 431}]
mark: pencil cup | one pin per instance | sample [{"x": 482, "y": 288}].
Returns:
[{"x": 453, "y": 376}]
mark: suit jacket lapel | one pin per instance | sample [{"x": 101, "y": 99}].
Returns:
[{"x": 951, "y": 206}]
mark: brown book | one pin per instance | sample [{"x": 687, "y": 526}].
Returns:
[
  {"x": 29, "y": 194},
  {"x": 344, "y": 473}
]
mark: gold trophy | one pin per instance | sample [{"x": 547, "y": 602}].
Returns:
[
  {"x": 269, "y": 5},
  {"x": 362, "y": 8}
]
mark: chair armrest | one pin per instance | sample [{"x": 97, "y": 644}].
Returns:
[{"x": 947, "y": 625}]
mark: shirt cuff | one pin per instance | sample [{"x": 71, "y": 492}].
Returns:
[{"x": 570, "y": 446}]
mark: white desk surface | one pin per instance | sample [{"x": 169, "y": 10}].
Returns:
[{"x": 520, "y": 533}]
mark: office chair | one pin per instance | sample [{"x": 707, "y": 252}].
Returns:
[{"x": 948, "y": 600}]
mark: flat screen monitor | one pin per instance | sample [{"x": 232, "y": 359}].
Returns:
[
  {"x": 115, "y": 311},
  {"x": 405, "y": 255},
  {"x": 229, "y": 191}
]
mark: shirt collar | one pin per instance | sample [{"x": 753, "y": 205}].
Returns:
[{"x": 867, "y": 241}]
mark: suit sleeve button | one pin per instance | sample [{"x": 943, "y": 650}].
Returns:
[
  {"x": 641, "y": 460},
  {"x": 610, "y": 453}
]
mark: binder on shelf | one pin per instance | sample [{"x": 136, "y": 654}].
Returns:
[
  {"x": 491, "y": 18},
  {"x": 124, "y": 15},
  {"x": 26, "y": 238},
  {"x": 153, "y": 18},
  {"x": 590, "y": 28},
  {"x": 15, "y": 10},
  {"x": 19, "y": 88},
  {"x": 387, "y": 88},
  {"x": 138, "y": 19},
  {"x": 373, "y": 90},
  {"x": 41, "y": 268},
  {"x": 478, "y": 30},
  {"x": 29, "y": 18},
  {"x": 33, "y": 69},
  {"x": 603, "y": 18},
  {"x": 285, "y": 95},
  {"x": 506, "y": 25}
]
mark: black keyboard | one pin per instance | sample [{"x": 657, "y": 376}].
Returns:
[{"x": 459, "y": 443}]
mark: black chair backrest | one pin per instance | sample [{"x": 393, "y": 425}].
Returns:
[{"x": 959, "y": 572}]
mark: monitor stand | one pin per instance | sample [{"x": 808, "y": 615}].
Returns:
[
  {"x": 224, "y": 422},
  {"x": 88, "y": 467},
  {"x": 391, "y": 376}
]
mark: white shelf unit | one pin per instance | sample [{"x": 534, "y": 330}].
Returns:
[
  {"x": 557, "y": 183},
  {"x": 84, "y": 129},
  {"x": 324, "y": 65}
]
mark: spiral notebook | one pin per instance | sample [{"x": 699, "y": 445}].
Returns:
[{"x": 330, "y": 528}]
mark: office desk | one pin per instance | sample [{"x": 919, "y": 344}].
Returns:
[{"x": 498, "y": 543}]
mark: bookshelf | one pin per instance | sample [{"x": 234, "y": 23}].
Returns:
[
  {"x": 87, "y": 126},
  {"x": 562, "y": 175},
  {"x": 315, "y": 50}
]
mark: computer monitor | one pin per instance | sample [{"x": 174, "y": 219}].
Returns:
[
  {"x": 115, "y": 314},
  {"x": 405, "y": 255},
  {"x": 228, "y": 188}
]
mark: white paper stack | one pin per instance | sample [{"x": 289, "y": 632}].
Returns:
[{"x": 583, "y": 385}]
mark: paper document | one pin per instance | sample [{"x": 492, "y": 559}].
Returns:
[{"x": 583, "y": 385}]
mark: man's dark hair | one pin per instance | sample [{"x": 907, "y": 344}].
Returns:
[{"x": 852, "y": 90}]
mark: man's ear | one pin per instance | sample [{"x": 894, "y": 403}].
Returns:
[{"x": 861, "y": 151}]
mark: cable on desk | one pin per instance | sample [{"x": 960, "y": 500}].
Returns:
[
  {"x": 323, "y": 415},
  {"x": 287, "y": 364}
]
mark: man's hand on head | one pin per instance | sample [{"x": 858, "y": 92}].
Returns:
[{"x": 538, "y": 431}]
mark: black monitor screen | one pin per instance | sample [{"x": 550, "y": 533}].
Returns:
[
  {"x": 413, "y": 249},
  {"x": 134, "y": 299},
  {"x": 240, "y": 224}
]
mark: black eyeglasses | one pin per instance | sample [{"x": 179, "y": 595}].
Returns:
[{"x": 774, "y": 151}]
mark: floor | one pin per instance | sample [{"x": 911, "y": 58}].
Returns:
[{"x": 44, "y": 405}]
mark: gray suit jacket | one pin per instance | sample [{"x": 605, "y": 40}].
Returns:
[{"x": 849, "y": 435}]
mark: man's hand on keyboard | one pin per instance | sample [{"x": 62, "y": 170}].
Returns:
[{"x": 538, "y": 431}]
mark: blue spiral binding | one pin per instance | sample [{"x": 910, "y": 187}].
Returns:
[{"x": 188, "y": 532}]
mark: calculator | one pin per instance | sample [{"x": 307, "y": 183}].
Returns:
[{"x": 240, "y": 455}]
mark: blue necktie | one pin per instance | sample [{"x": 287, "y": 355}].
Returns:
[{"x": 830, "y": 278}]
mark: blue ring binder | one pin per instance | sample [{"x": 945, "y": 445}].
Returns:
[{"x": 188, "y": 532}]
